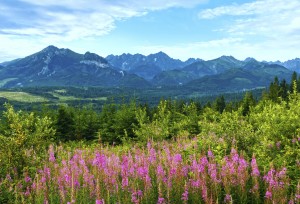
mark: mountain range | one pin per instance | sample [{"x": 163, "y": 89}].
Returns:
[
  {"x": 63, "y": 67},
  {"x": 293, "y": 65}
]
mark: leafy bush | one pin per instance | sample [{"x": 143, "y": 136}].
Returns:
[{"x": 23, "y": 139}]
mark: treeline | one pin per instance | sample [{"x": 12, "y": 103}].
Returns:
[{"x": 133, "y": 121}]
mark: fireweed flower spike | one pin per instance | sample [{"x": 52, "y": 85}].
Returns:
[{"x": 156, "y": 174}]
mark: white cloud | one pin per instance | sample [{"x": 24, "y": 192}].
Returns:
[
  {"x": 258, "y": 7},
  {"x": 271, "y": 25},
  {"x": 269, "y": 18},
  {"x": 55, "y": 22},
  {"x": 133, "y": 4}
]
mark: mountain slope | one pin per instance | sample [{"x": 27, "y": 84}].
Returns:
[
  {"x": 211, "y": 67},
  {"x": 146, "y": 71},
  {"x": 172, "y": 78},
  {"x": 239, "y": 79},
  {"x": 63, "y": 67},
  {"x": 197, "y": 70}
]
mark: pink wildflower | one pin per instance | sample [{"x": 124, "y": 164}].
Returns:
[
  {"x": 268, "y": 195},
  {"x": 278, "y": 144},
  {"x": 255, "y": 171},
  {"x": 51, "y": 154},
  {"x": 210, "y": 154},
  {"x": 134, "y": 198},
  {"x": 100, "y": 201},
  {"x": 227, "y": 198},
  {"x": 160, "y": 200},
  {"x": 27, "y": 179},
  {"x": 185, "y": 195},
  {"x": 177, "y": 158}
]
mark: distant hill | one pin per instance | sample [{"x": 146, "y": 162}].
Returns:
[
  {"x": 172, "y": 78},
  {"x": 238, "y": 79}
]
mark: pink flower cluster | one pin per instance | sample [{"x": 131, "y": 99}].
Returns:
[{"x": 161, "y": 174}]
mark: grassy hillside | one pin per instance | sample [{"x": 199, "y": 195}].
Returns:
[{"x": 22, "y": 97}]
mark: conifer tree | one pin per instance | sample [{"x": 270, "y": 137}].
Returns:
[
  {"x": 220, "y": 104},
  {"x": 65, "y": 124}
]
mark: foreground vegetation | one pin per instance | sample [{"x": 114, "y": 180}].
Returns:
[
  {"x": 234, "y": 152},
  {"x": 160, "y": 173}
]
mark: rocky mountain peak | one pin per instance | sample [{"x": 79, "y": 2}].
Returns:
[
  {"x": 93, "y": 57},
  {"x": 50, "y": 48}
]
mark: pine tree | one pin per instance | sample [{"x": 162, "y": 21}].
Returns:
[
  {"x": 220, "y": 104},
  {"x": 65, "y": 124},
  {"x": 294, "y": 79},
  {"x": 248, "y": 102},
  {"x": 284, "y": 88},
  {"x": 274, "y": 90}
]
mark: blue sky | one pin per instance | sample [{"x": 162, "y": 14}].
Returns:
[{"x": 206, "y": 29}]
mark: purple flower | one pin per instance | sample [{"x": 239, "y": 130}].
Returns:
[
  {"x": 255, "y": 171},
  {"x": 160, "y": 171},
  {"x": 234, "y": 155},
  {"x": 269, "y": 177},
  {"x": 210, "y": 154},
  {"x": 242, "y": 165},
  {"x": 27, "y": 193},
  {"x": 204, "y": 192},
  {"x": 185, "y": 195},
  {"x": 282, "y": 173},
  {"x": 268, "y": 195},
  {"x": 27, "y": 179},
  {"x": 148, "y": 145},
  {"x": 43, "y": 179},
  {"x": 195, "y": 183},
  {"x": 227, "y": 198},
  {"x": 152, "y": 156},
  {"x": 139, "y": 193},
  {"x": 177, "y": 158},
  {"x": 160, "y": 200},
  {"x": 51, "y": 154},
  {"x": 124, "y": 182},
  {"x": 67, "y": 178},
  {"x": 278, "y": 144},
  {"x": 134, "y": 198},
  {"x": 212, "y": 170},
  {"x": 8, "y": 177},
  {"x": 100, "y": 201}
]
